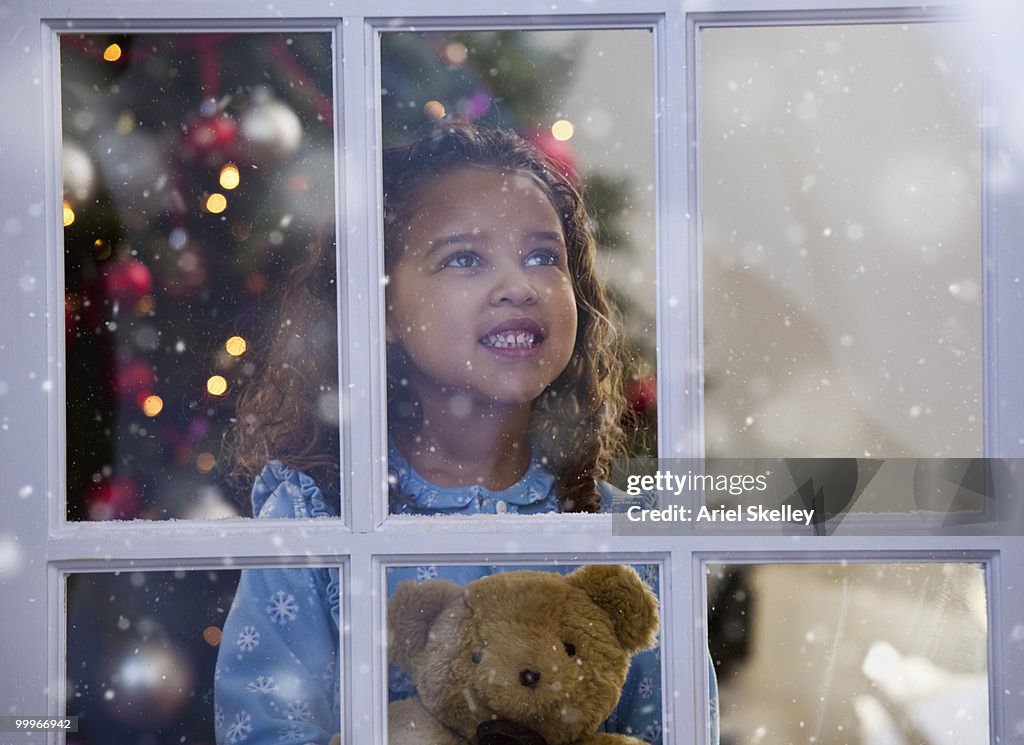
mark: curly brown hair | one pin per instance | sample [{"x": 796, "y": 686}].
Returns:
[
  {"x": 284, "y": 412},
  {"x": 575, "y": 422}
]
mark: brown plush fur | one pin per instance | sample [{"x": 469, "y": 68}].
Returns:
[{"x": 469, "y": 650}]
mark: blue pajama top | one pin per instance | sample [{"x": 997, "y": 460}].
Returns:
[{"x": 276, "y": 680}]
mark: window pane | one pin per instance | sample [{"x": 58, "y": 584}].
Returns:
[
  {"x": 548, "y": 631},
  {"x": 198, "y": 176},
  {"x": 841, "y": 211},
  {"x": 583, "y": 100},
  {"x": 171, "y": 657},
  {"x": 840, "y": 653},
  {"x": 141, "y": 651}
]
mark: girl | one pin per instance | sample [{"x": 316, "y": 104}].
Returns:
[{"x": 503, "y": 396}]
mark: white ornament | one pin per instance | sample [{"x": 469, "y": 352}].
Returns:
[
  {"x": 270, "y": 128},
  {"x": 78, "y": 172}
]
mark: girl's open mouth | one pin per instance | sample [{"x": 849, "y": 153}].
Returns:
[{"x": 516, "y": 333}]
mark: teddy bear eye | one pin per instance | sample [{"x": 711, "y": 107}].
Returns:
[
  {"x": 569, "y": 649},
  {"x": 476, "y": 657}
]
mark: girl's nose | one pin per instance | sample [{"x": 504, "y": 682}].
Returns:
[{"x": 513, "y": 287}]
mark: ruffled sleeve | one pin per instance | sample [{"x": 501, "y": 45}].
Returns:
[{"x": 276, "y": 679}]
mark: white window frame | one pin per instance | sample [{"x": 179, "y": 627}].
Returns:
[{"x": 32, "y": 482}]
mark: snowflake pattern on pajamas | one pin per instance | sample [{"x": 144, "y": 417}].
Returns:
[
  {"x": 262, "y": 685},
  {"x": 298, "y": 711},
  {"x": 425, "y": 573},
  {"x": 282, "y": 608},
  {"x": 240, "y": 728},
  {"x": 292, "y": 732},
  {"x": 248, "y": 639}
]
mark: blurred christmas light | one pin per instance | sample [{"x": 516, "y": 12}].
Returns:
[
  {"x": 145, "y": 305},
  {"x": 236, "y": 346},
  {"x": 216, "y": 203},
  {"x": 229, "y": 176},
  {"x": 69, "y": 214},
  {"x": 152, "y": 406},
  {"x": 205, "y": 462},
  {"x": 433, "y": 110},
  {"x": 125, "y": 123},
  {"x": 456, "y": 52},
  {"x": 101, "y": 250},
  {"x": 212, "y": 635},
  {"x": 216, "y": 385},
  {"x": 562, "y": 130},
  {"x": 112, "y": 53}
]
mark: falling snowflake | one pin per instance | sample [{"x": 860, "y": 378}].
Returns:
[
  {"x": 282, "y": 608},
  {"x": 248, "y": 639},
  {"x": 241, "y": 728},
  {"x": 298, "y": 711},
  {"x": 425, "y": 573},
  {"x": 262, "y": 685},
  {"x": 646, "y": 688},
  {"x": 218, "y": 716}
]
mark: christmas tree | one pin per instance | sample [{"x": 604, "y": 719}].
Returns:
[{"x": 198, "y": 170}]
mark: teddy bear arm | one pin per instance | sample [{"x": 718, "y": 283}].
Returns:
[{"x": 409, "y": 723}]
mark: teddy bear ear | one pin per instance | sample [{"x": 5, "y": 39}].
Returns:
[
  {"x": 619, "y": 592},
  {"x": 412, "y": 610}
]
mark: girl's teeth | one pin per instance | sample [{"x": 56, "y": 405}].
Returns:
[{"x": 503, "y": 341}]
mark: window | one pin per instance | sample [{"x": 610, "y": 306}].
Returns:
[{"x": 60, "y": 564}]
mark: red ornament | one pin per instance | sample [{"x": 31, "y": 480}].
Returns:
[
  {"x": 134, "y": 378},
  {"x": 642, "y": 394},
  {"x": 116, "y": 498},
  {"x": 561, "y": 152},
  {"x": 211, "y": 138},
  {"x": 126, "y": 280}
]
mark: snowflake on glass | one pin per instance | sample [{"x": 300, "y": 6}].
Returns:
[
  {"x": 218, "y": 716},
  {"x": 425, "y": 573},
  {"x": 240, "y": 729},
  {"x": 646, "y": 688},
  {"x": 282, "y": 608},
  {"x": 248, "y": 639},
  {"x": 294, "y": 732},
  {"x": 262, "y": 684},
  {"x": 298, "y": 711}
]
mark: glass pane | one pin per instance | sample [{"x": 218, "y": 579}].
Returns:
[
  {"x": 171, "y": 657},
  {"x": 141, "y": 652},
  {"x": 583, "y": 101},
  {"x": 198, "y": 188},
  {"x": 841, "y": 239},
  {"x": 841, "y": 653},
  {"x": 537, "y": 644}
]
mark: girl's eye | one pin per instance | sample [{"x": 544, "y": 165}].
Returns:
[
  {"x": 569, "y": 649},
  {"x": 542, "y": 257},
  {"x": 462, "y": 260},
  {"x": 477, "y": 656}
]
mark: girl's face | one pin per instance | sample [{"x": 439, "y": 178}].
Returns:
[{"x": 480, "y": 297}]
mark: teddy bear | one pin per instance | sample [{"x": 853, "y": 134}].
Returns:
[{"x": 517, "y": 658}]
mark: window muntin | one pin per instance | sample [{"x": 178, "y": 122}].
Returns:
[
  {"x": 198, "y": 177},
  {"x": 866, "y": 651},
  {"x": 840, "y": 198}
]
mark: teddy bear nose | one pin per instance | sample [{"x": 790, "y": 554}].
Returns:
[{"x": 529, "y": 678}]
